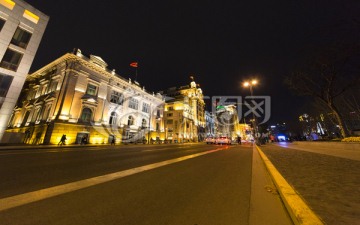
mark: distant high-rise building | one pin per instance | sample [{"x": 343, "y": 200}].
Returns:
[{"x": 21, "y": 29}]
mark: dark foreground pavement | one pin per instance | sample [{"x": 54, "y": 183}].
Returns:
[
  {"x": 265, "y": 206},
  {"x": 327, "y": 182}
]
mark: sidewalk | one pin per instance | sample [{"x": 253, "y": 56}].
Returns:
[
  {"x": 326, "y": 179},
  {"x": 27, "y": 146}
]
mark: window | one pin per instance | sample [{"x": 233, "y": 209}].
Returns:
[
  {"x": 52, "y": 86},
  {"x": 36, "y": 116},
  {"x": 91, "y": 89},
  {"x": 130, "y": 121},
  {"x": 21, "y": 38},
  {"x": 113, "y": 118},
  {"x": 11, "y": 60},
  {"x": 158, "y": 113},
  {"x": 2, "y": 22},
  {"x": 157, "y": 126},
  {"x": 5, "y": 82},
  {"x": 116, "y": 98},
  {"x": 32, "y": 92},
  {"x": 86, "y": 115},
  {"x": 31, "y": 16},
  {"x": 171, "y": 108},
  {"x": 169, "y": 122},
  {"x": 27, "y": 113},
  {"x": 8, "y": 4},
  {"x": 146, "y": 108},
  {"x": 47, "y": 112},
  {"x": 169, "y": 115},
  {"x": 133, "y": 103}
]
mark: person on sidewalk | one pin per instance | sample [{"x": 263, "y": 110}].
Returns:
[
  {"x": 62, "y": 140},
  {"x": 113, "y": 140},
  {"x": 84, "y": 140},
  {"x": 239, "y": 140}
]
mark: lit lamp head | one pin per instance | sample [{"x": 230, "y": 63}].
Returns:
[{"x": 251, "y": 83}]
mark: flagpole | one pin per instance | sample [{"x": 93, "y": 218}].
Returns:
[{"x": 135, "y": 65}]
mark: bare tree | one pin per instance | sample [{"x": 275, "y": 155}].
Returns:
[{"x": 327, "y": 79}]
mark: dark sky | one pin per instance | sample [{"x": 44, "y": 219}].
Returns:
[{"x": 220, "y": 43}]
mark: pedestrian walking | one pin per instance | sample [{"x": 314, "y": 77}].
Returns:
[
  {"x": 239, "y": 140},
  {"x": 84, "y": 140},
  {"x": 113, "y": 140},
  {"x": 62, "y": 140}
]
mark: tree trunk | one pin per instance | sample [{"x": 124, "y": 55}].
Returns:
[{"x": 343, "y": 129}]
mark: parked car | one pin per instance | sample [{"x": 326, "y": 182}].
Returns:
[
  {"x": 223, "y": 140},
  {"x": 210, "y": 140}
]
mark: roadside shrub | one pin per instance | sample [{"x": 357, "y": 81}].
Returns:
[{"x": 351, "y": 139}]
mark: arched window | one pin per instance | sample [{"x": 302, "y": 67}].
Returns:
[
  {"x": 143, "y": 123},
  {"x": 86, "y": 115},
  {"x": 113, "y": 118},
  {"x": 130, "y": 120}
]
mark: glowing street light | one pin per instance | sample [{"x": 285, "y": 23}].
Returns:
[{"x": 250, "y": 84}]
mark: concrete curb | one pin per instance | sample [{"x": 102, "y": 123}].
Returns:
[{"x": 299, "y": 211}]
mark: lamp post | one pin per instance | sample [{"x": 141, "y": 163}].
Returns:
[
  {"x": 150, "y": 112},
  {"x": 250, "y": 84}
]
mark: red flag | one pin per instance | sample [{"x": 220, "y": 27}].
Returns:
[{"x": 134, "y": 64}]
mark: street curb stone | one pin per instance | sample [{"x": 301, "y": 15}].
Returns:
[{"x": 299, "y": 211}]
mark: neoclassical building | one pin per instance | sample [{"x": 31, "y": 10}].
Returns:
[
  {"x": 21, "y": 29},
  {"x": 78, "y": 95},
  {"x": 184, "y": 114}
]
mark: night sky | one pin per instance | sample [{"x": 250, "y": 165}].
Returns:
[{"x": 220, "y": 43}]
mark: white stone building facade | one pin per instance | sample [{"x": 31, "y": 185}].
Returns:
[{"x": 79, "y": 96}]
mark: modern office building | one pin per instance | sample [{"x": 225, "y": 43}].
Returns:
[
  {"x": 184, "y": 115},
  {"x": 21, "y": 29},
  {"x": 79, "y": 96}
]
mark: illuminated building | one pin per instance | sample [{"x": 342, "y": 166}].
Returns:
[
  {"x": 184, "y": 114},
  {"x": 79, "y": 96},
  {"x": 210, "y": 128},
  {"x": 227, "y": 122},
  {"x": 21, "y": 30}
]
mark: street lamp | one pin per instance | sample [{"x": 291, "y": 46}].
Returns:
[{"x": 250, "y": 84}]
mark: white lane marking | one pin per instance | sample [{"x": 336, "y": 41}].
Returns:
[{"x": 22, "y": 199}]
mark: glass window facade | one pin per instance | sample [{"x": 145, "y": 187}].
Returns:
[
  {"x": 5, "y": 82},
  {"x": 21, "y": 38},
  {"x": 11, "y": 60}
]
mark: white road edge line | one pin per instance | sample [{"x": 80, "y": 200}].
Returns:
[{"x": 22, "y": 199}]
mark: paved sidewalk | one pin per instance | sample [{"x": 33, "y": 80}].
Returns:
[
  {"x": 27, "y": 146},
  {"x": 328, "y": 181}
]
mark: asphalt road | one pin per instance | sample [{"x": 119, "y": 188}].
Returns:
[{"x": 194, "y": 184}]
